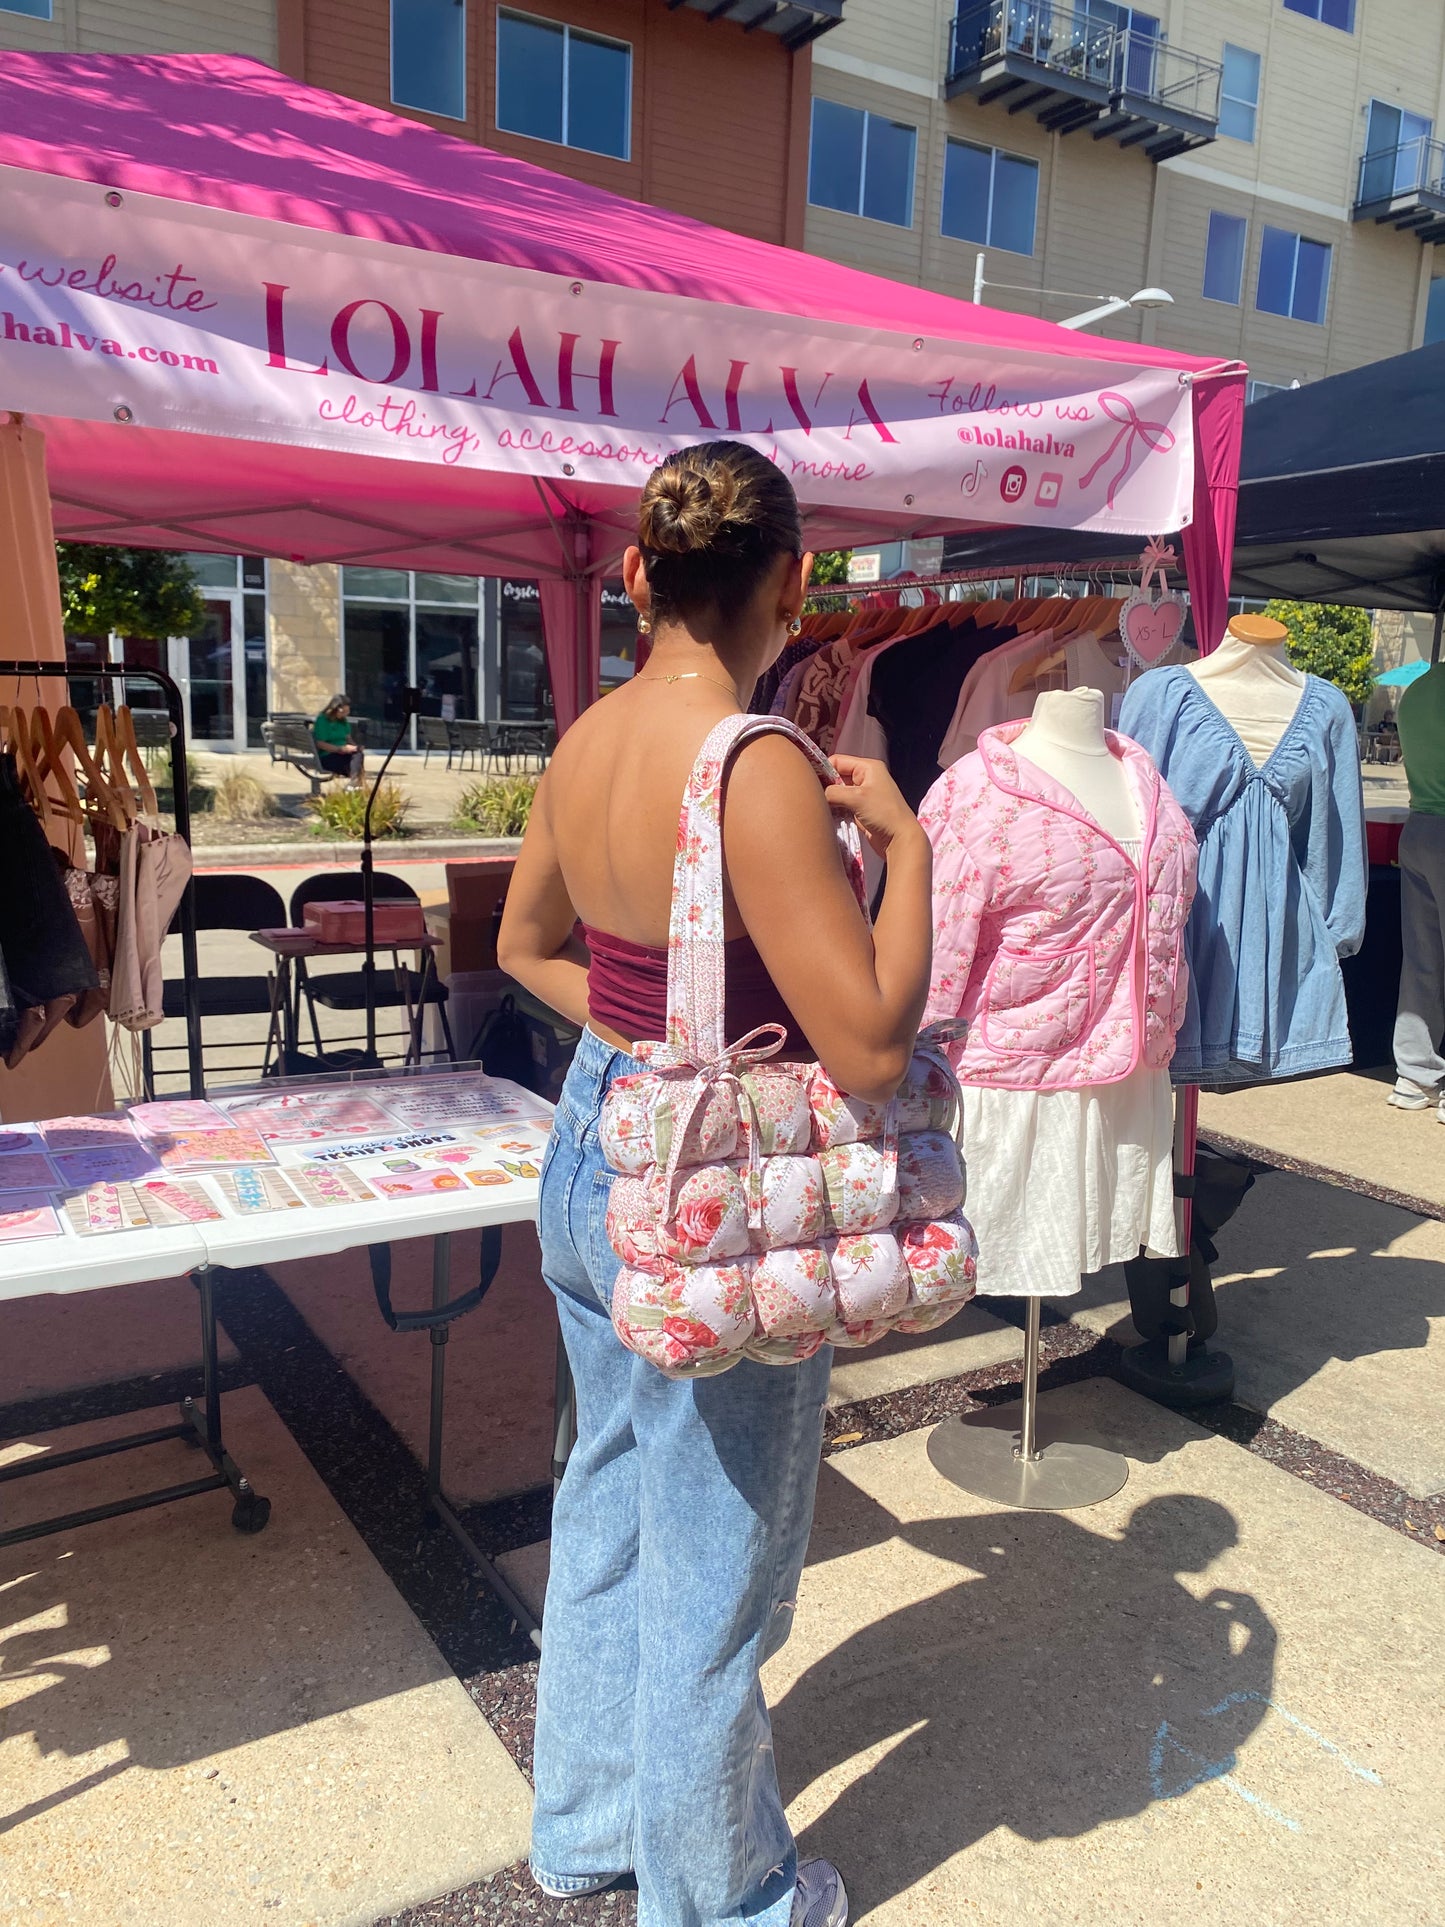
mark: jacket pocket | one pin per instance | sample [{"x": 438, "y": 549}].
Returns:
[{"x": 1037, "y": 1002}]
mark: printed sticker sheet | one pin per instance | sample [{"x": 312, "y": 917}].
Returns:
[{"x": 194, "y": 1161}]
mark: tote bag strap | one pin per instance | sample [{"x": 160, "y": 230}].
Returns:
[{"x": 696, "y": 960}]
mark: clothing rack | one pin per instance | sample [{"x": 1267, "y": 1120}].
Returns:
[
  {"x": 1062, "y": 572},
  {"x": 181, "y": 795}
]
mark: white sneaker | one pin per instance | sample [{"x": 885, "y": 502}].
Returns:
[
  {"x": 821, "y": 1899},
  {"x": 1410, "y": 1096}
]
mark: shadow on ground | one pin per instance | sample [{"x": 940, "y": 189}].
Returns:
[{"x": 1069, "y": 1680}]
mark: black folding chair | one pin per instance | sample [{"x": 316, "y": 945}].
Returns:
[
  {"x": 222, "y": 903},
  {"x": 397, "y": 988}
]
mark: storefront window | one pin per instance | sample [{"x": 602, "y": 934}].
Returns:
[
  {"x": 526, "y": 686},
  {"x": 402, "y": 628}
]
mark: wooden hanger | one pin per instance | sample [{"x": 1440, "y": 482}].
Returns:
[
  {"x": 16, "y": 727},
  {"x": 125, "y": 729},
  {"x": 111, "y": 762},
  {"x": 46, "y": 753},
  {"x": 70, "y": 734}
]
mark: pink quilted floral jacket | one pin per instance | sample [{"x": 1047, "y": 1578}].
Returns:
[{"x": 1065, "y": 958}]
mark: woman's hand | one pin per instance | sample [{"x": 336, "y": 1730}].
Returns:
[{"x": 871, "y": 797}]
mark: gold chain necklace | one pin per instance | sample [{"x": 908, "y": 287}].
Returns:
[{"x": 691, "y": 675}]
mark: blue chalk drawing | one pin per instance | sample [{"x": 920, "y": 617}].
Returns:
[{"x": 1204, "y": 1770}]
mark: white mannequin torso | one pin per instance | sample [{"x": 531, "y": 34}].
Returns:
[
  {"x": 1065, "y": 739},
  {"x": 1257, "y": 688}
]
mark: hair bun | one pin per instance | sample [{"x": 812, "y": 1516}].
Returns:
[{"x": 686, "y": 504}]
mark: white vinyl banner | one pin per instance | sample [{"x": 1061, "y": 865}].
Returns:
[{"x": 127, "y": 308}]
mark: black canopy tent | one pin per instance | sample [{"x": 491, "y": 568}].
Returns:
[{"x": 1341, "y": 495}]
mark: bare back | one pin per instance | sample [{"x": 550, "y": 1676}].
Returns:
[{"x": 615, "y": 793}]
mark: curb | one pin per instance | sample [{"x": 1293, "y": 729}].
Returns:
[{"x": 391, "y": 849}]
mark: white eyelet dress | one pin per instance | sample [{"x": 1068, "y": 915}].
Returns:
[{"x": 1061, "y": 1183}]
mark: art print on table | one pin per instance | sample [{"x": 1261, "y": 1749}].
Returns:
[
  {"x": 255, "y": 1188},
  {"x": 458, "y": 1100},
  {"x": 28, "y": 1214},
  {"x": 171, "y": 1201},
  {"x": 20, "y": 1141},
  {"x": 25, "y": 1171},
  {"x": 538, "y": 1126},
  {"x": 308, "y": 1117},
  {"x": 86, "y": 1133},
  {"x": 327, "y": 1184},
  {"x": 172, "y": 1114},
  {"x": 102, "y": 1208},
  {"x": 120, "y": 1162},
  {"x": 405, "y": 1145},
  {"x": 417, "y": 1184},
  {"x": 209, "y": 1150}
]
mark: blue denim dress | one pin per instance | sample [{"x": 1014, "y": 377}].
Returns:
[
  {"x": 1282, "y": 877},
  {"x": 678, "y": 1537}
]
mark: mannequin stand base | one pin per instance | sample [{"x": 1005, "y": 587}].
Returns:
[
  {"x": 980, "y": 1454},
  {"x": 1202, "y": 1378}
]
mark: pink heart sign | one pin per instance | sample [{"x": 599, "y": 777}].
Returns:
[{"x": 1150, "y": 628}]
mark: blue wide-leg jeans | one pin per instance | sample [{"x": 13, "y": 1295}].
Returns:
[{"x": 678, "y": 1537}]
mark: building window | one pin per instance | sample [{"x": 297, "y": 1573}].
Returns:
[
  {"x": 1239, "y": 93},
  {"x": 1333, "y": 13},
  {"x": 429, "y": 56},
  {"x": 1224, "y": 258},
  {"x": 558, "y": 84},
  {"x": 1257, "y": 390},
  {"x": 1294, "y": 276},
  {"x": 401, "y": 628},
  {"x": 989, "y": 196},
  {"x": 35, "y": 9},
  {"x": 1397, "y": 152},
  {"x": 862, "y": 163},
  {"x": 1435, "y": 312},
  {"x": 526, "y": 686}
]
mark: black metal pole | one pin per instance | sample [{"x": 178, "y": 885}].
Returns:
[
  {"x": 181, "y": 793},
  {"x": 411, "y": 703}
]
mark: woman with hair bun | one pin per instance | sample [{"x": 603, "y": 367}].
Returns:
[{"x": 679, "y": 1530}]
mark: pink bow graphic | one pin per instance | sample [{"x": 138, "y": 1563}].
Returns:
[{"x": 1158, "y": 439}]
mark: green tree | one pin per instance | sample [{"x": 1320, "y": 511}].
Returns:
[
  {"x": 830, "y": 566},
  {"x": 133, "y": 592},
  {"x": 1332, "y": 642}
]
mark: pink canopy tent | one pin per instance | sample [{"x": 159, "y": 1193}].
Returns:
[{"x": 252, "y": 315}]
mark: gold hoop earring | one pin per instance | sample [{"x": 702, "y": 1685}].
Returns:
[
  {"x": 795, "y": 627},
  {"x": 644, "y": 625}
]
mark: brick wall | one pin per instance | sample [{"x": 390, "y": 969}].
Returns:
[{"x": 712, "y": 107}]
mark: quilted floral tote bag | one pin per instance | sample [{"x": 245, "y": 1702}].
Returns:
[{"x": 759, "y": 1212}]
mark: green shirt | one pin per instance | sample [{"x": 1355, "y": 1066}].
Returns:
[
  {"x": 331, "y": 729},
  {"x": 1421, "y": 721}
]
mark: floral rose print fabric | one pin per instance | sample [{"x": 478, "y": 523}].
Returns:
[{"x": 758, "y": 1211}]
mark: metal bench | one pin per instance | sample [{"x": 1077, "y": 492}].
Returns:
[{"x": 290, "y": 741}]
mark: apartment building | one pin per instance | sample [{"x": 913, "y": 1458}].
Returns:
[
  {"x": 699, "y": 106},
  {"x": 1272, "y": 164}
]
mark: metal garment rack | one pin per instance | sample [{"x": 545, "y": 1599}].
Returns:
[
  {"x": 181, "y": 794},
  {"x": 199, "y": 1426}
]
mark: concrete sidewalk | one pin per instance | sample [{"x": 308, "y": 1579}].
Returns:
[{"x": 1214, "y": 1697}]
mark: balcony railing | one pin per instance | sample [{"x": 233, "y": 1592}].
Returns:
[
  {"x": 1415, "y": 167},
  {"x": 1084, "y": 72}
]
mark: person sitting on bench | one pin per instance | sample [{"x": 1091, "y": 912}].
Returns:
[{"x": 335, "y": 750}]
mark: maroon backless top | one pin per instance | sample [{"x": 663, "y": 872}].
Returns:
[{"x": 627, "y": 990}]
